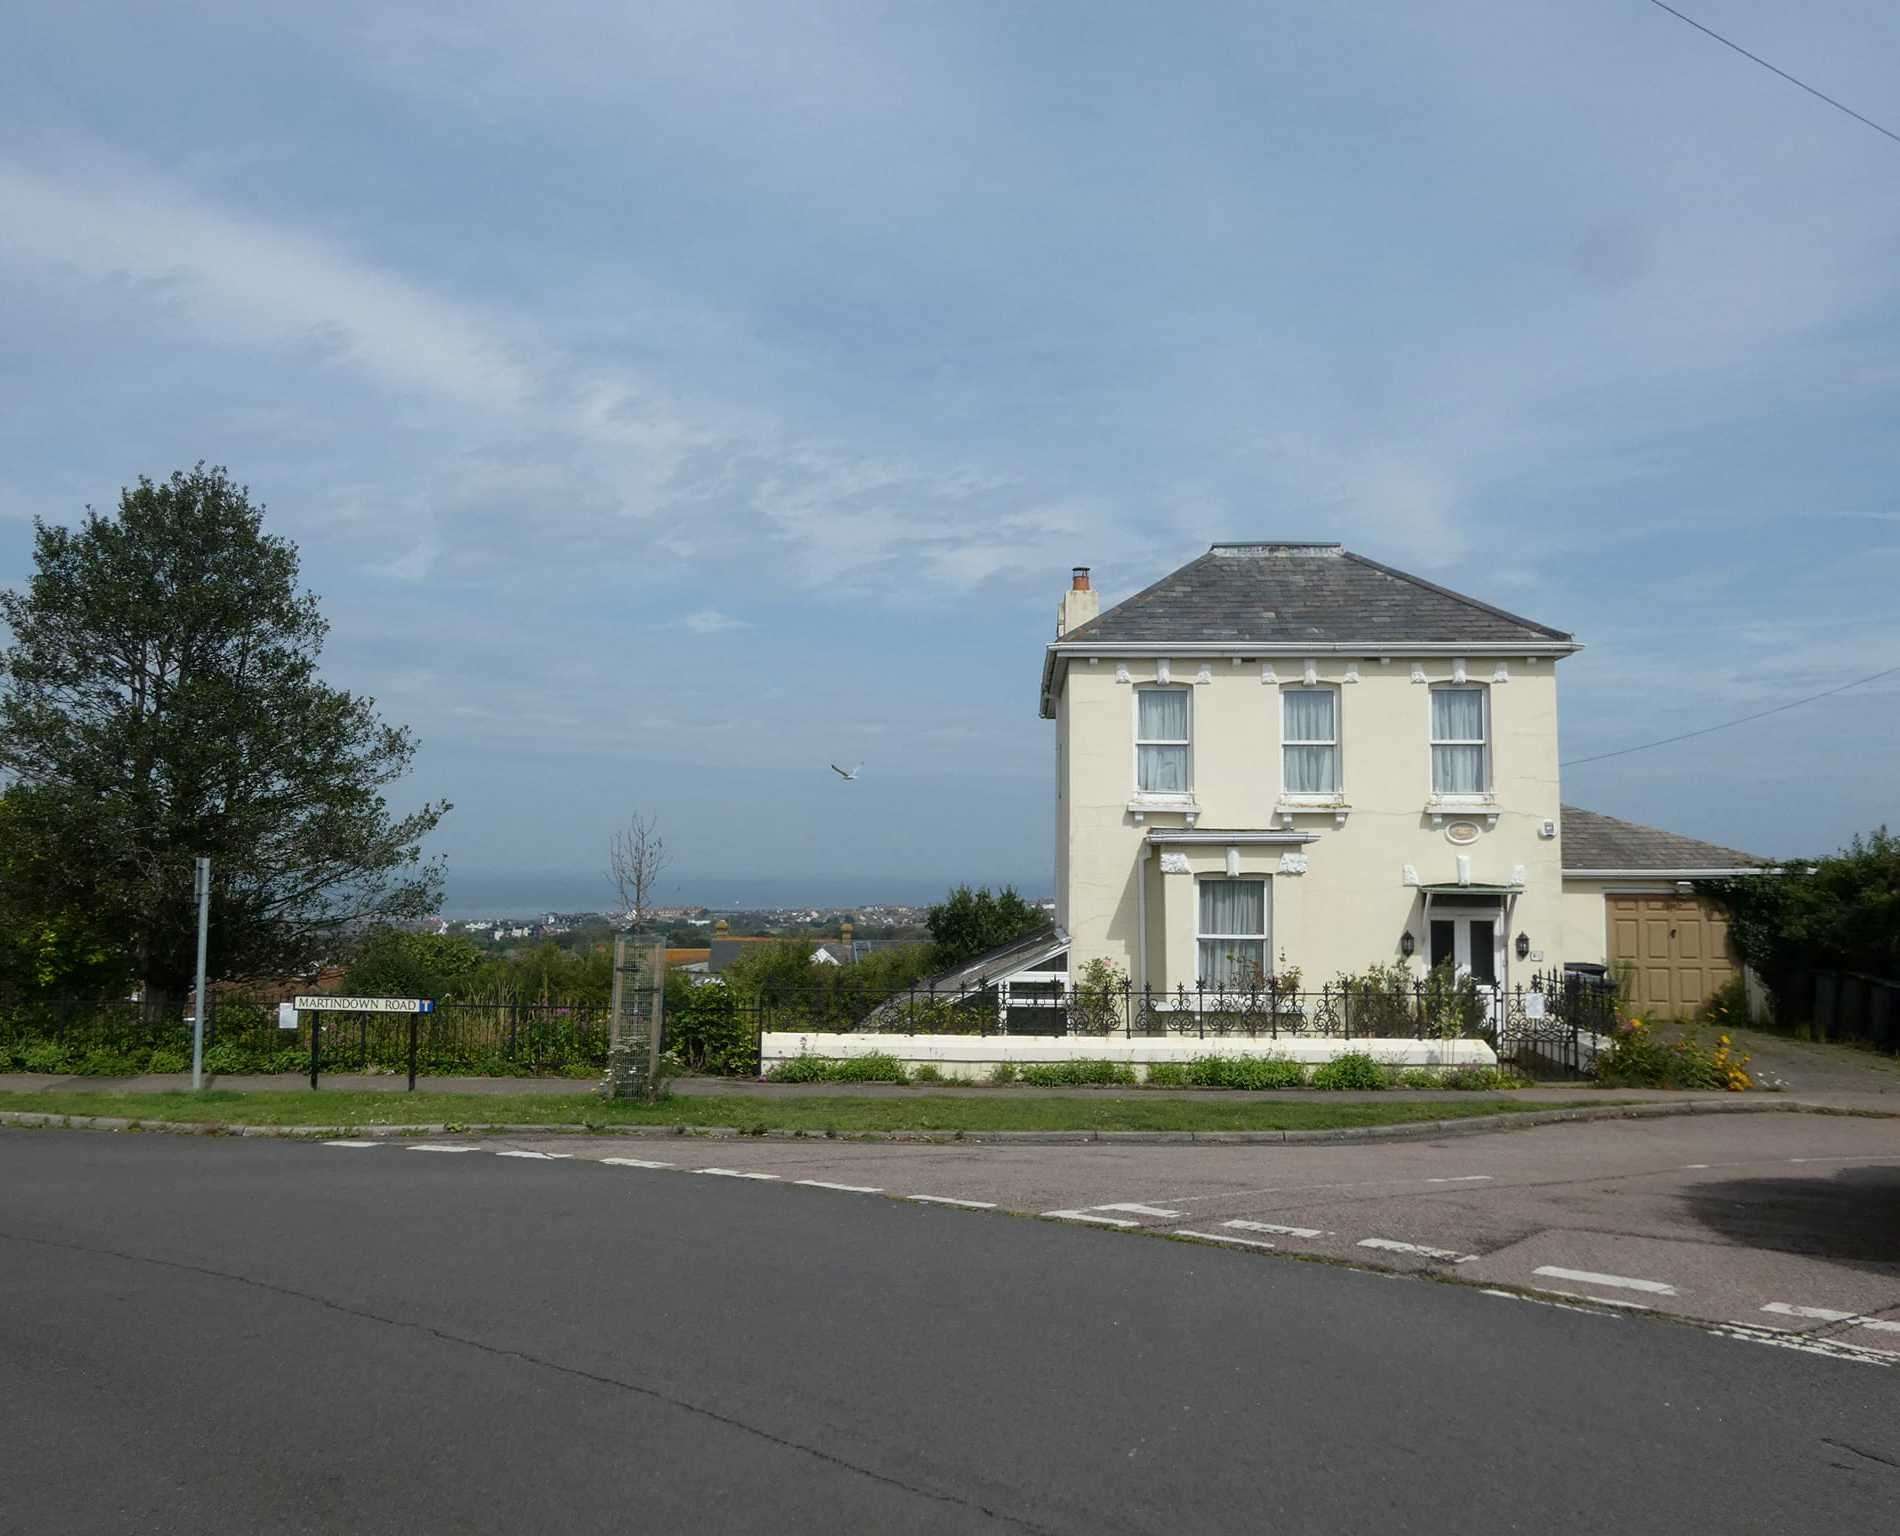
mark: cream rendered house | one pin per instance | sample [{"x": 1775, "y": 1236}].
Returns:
[{"x": 1287, "y": 749}]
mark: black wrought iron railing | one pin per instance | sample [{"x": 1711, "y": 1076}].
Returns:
[{"x": 475, "y": 1038}]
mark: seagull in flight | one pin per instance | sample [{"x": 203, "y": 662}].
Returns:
[{"x": 850, "y": 775}]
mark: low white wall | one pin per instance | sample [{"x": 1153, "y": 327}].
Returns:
[{"x": 972, "y": 1057}]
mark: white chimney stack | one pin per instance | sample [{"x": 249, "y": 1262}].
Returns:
[{"x": 1079, "y": 603}]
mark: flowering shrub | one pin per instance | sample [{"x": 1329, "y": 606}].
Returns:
[{"x": 1636, "y": 1058}]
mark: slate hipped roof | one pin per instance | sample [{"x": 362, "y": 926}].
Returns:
[
  {"x": 1592, "y": 840},
  {"x": 1295, "y": 593}
]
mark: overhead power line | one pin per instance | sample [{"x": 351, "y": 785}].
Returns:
[
  {"x": 1839, "y": 106},
  {"x": 1709, "y": 730}
]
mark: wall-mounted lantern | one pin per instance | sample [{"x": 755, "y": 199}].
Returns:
[
  {"x": 1407, "y": 944},
  {"x": 1523, "y": 946}
]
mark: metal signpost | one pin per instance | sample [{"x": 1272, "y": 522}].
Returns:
[
  {"x": 202, "y": 891},
  {"x": 317, "y": 1003}
]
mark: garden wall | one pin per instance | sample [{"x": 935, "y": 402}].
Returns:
[{"x": 974, "y": 1057}]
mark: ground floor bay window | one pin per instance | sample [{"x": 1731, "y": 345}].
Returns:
[{"x": 1233, "y": 934}]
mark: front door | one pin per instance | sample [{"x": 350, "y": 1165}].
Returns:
[{"x": 1469, "y": 944}]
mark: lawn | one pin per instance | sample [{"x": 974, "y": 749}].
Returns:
[{"x": 817, "y": 1115}]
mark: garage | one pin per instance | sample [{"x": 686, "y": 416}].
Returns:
[
  {"x": 1630, "y": 903},
  {"x": 1670, "y": 951}
]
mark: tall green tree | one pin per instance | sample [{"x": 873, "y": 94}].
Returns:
[
  {"x": 968, "y": 922},
  {"x": 161, "y": 701},
  {"x": 1838, "y": 913}
]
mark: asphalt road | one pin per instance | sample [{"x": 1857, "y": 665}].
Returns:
[
  {"x": 1783, "y": 1222},
  {"x": 251, "y": 1336}
]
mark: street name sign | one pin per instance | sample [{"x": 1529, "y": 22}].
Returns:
[{"x": 324, "y": 1003}]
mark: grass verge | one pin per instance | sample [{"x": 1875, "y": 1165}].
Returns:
[{"x": 819, "y": 1116}]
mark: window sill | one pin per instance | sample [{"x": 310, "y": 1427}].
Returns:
[
  {"x": 1143, "y": 806},
  {"x": 1335, "y": 806},
  {"x": 1439, "y": 807}
]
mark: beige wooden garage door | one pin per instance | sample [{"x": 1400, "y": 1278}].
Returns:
[{"x": 1673, "y": 949}]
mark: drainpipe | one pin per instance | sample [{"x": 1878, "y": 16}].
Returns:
[{"x": 1141, "y": 916}]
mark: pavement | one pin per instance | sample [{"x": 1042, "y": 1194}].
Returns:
[{"x": 221, "y": 1335}]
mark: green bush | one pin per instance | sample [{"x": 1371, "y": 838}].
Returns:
[
  {"x": 1419, "y": 1077},
  {"x": 1082, "y": 1073},
  {"x": 1635, "y": 1058},
  {"x": 1167, "y": 1074},
  {"x": 1098, "y": 1003},
  {"x": 108, "y": 1063},
  {"x": 1355, "y": 1071},
  {"x": 1003, "y": 1074},
  {"x": 169, "y": 1058},
  {"x": 1479, "y": 1079},
  {"x": 926, "y": 1072},
  {"x": 708, "y": 1031},
  {"x": 1726, "y": 1007},
  {"x": 875, "y": 1068},
  {"x": 45, "y": 1056},
  {"x": 1245, "y": 1072},
  {"x": 800, "y": 1069}
]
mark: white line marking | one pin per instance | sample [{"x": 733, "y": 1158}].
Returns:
[
  {"x": 1392, "y": 1245},
  {"x": 1544, "y": 1301},
  {"x": 1216, "y": 1237},
  {"x": 1102, "y": 1221},
  {"x": 1831, "y": 1315},
  {"x": 352, "y": 1143},
  {"x": 849, "y": 1189},
  {"x": 1687, "y": 1166},
  {"x": 1601, "y": 1301},
  {"x": 1277, "y": 1230},
  {"x": 1622, "y": 1282},
  {"x": 438, "y": 1146},
  {"x": 735, "y": 1173},
  {"x": 1464, "y": 1178},
  {"x": 1819, "y": 1314},
  {"x": 539, "y": 1157},
  {"x": 968, "y": 1205},
  {"x": 1832, "y": 1349},
  {"x": 634, "y": 1162},
  {"x": 1135, "y": 1209}
]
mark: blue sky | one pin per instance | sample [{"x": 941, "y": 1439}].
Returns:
[{"x": 669, "y": 398}]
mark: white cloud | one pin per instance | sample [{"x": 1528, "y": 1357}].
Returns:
[
  {"x": 710, "y": 621},
  {"x": 253, "y": 283}
]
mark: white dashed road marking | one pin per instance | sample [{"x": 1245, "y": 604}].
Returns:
[
  {"x": 634, "y": 1162},
  {"x": 1832, "y": 1349},
  {"x": 1832, "y": 1315},
  {"x": 968, "y": 1205},
  {"x": 1273, "y": 1227},
  {"x": 438, "y": 1146},
  {"x": 1221, "y": 1237},
  {"x": 1135, "y": 1209},
  {"x": 1621, "y": 1282},
  {"x": 539, "y": 1157},
  {"x": 1102, "y": 1221},
  {"x": 735, "y": 1173},
  {"x": 1392, "y": 1245},
  {"x": 1465, "y": 1178},
  {"x": 849, "y": 1189},
  {"x": 352, "y": 1143},
  {"x": 1601, "y": 1301}
]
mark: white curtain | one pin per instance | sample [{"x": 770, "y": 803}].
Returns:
[
  {"x": 1163, "y": 717},
  {"x": 1233, "y": 907},
  {"x": 1308, "y": 716},
  {"x": 1458, "y": 715}
]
